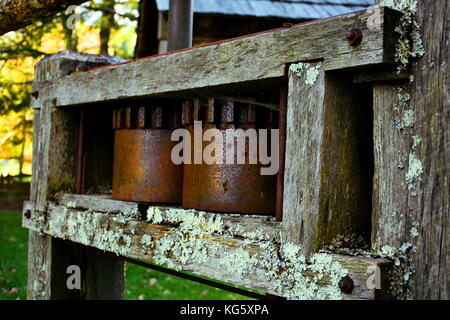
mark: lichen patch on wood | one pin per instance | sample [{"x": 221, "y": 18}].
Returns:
[
  {"x": 409, "y": 45},
  {"x": 257, "y": 264},
  {"x": 307, "y": 71}
]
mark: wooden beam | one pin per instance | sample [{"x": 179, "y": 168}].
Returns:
[
  {"x": 392, "y": 144},
  {"x": 327, "y": 185},
  {"x": 259, "y": 57},
  {"x": 240, "y": 261},
  {"x": 16, "y": 14},
  {"x": 412, "y": 144},
  {"x": 236, "y": 225}
]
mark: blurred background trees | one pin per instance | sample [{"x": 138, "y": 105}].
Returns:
[{"x": 97, "y": 27}]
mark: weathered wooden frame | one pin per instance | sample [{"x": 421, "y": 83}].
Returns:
[{"x": 61, "y": 89}]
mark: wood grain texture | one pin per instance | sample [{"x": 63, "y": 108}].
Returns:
[
  {"x": 39, "y": 267},
  {"x": 91, "y": 228},
  {"x": 238, "y": 225},
  {"x": 328, "y": 166},
  {"x": 427, "y": 209},
  {"x": 391, "y": 219},
  {"x": 431, "y": 100},
  {"x": 258, "y": 57}
]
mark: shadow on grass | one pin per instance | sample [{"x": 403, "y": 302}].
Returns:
[{"x": 141, "y": 283}]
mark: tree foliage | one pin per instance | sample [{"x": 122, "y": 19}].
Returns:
[{"x": 98, "y": 26}]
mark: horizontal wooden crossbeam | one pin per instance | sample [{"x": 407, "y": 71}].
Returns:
[
  {"x": 259, "y": 57},
  {"x": 219, "y": 250}
]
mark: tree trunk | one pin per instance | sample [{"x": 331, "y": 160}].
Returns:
[
  {"x": 16, "y": 14},
  {"x": 24, "y": 141},
  {"x": 147, "y": 33},
  {"x": 106, "y": 25}
]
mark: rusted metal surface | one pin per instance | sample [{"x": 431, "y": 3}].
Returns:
[
  {"x": 354, "y": 37},
  {"x": 234, "y": 188},
  {"x": 143, "y": 169}
]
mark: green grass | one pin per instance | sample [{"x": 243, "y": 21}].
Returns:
[
  {"x": 141, "y": 283},
  {"x": 13, "y": 256}
]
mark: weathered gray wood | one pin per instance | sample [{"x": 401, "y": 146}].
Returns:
[
  {"x": 16, "y": 14},
  {"x": 259, "y": 57},
  {"x": 103, "y": 203},
  {"x": 204, "y": 252},
  {"x": 264, "y": 228},
  {"x": 56, "y": 132},
  {"x": 54, "y": 171},
  {"x": 327, "y": 175},
  {"x": 391, "y": 209},
  {"x": 39, "y": 272},
  {"x": 416, "y": 211}
]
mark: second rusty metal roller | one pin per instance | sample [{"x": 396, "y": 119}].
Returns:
[
  {"x": 233, "y": 188},
  {"x": 143, "y": 170}
]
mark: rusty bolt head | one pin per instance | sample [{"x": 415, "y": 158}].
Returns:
[
  {"x": 354, "y": 36},
  {"x": 346, "y": 285},
  {"x": 27, "y": 214}
]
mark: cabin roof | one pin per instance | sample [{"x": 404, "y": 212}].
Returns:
[{"x": 294, "y": 9}]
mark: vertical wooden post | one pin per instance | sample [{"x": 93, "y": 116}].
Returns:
[
  {"x": 327, "y": 185},
  {"x": 55, "y": 170},
  {"x": 412, "y": 174},
  {"x": 181, "y": 24}
]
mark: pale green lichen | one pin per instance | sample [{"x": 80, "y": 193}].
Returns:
[
  {"x": 238, "y": 262},
  {"x": 388, "y": 251},
  {"x": 179, "y": 247},
  {"x": 131, "y": 213},
  {"x": 307, "y": 71},
  {"x": 406, "y": 121},
  {"x": 414, "y": 233},
  {"x": 210, "y": 223},
  {"x": 147, "y": 240},
  {"x": 294, "y": 276},
  {"x": 193, "y": 220},
  {"x": 115, "y": 241},
  {"x": 71, "y": 204},
  {"x": 416, "y": 141},
  {"x": 154, "y": 215},
  {"x": 293, "y": 282},
  {"x": 415, "y": 171},
  {"x": 409, "y": 45},
  {"x": 403, "y": 268}
]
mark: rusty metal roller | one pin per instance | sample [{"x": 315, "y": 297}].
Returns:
[
  {"x": 143, "y": 170},
  {"x": 232, "y": 188}
]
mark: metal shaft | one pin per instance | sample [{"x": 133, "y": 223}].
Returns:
[{"x": 181, "y": 17}]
